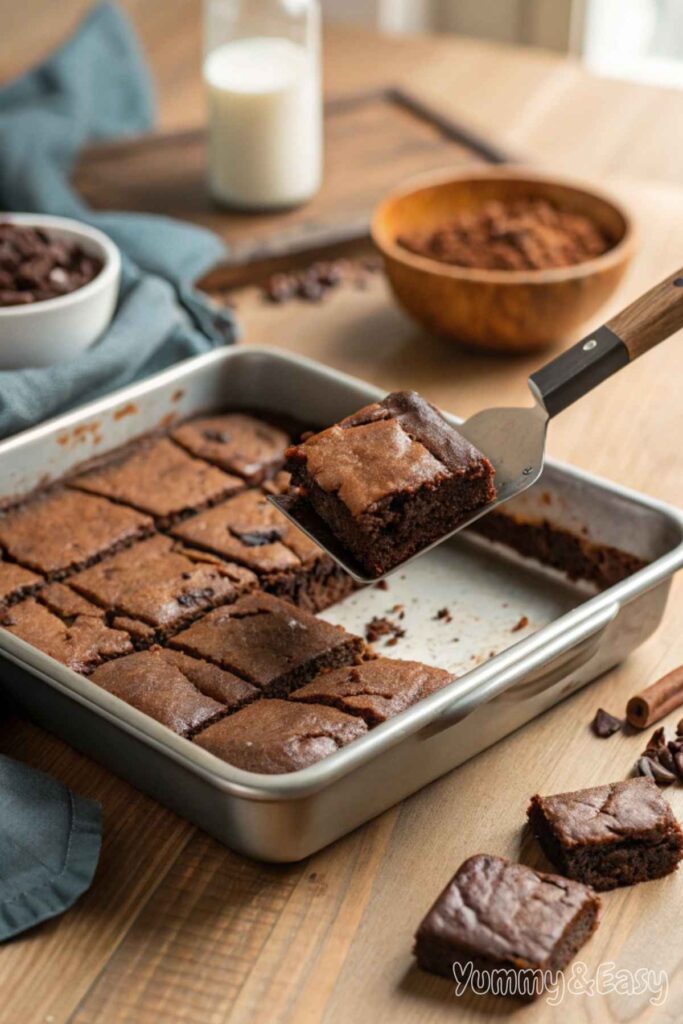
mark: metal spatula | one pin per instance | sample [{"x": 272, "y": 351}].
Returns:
[{"x": 514, "y": 439}]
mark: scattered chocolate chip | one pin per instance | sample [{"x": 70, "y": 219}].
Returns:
[
  {"x": 382, "y": 585},
  {"x": 314, "y": 282},
  {"x": 604, "y": 724},
  {"x": 654, "y": 770}
]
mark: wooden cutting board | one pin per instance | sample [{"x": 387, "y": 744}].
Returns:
[{"x": 390, "y": 134}]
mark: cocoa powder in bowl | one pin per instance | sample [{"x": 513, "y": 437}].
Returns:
[{"x": 520, "y": 234}]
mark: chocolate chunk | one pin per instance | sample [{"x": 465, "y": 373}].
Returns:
[{"x": 604, "y": 724}]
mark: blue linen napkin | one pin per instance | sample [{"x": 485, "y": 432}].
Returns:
[{"x": 96, "y": 86}]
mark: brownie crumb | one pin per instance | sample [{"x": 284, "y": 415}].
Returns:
[
  {"x": 604, "y": 724},
  {"x": 522, "y": 624},
  {"x": 381, "y": 626},
  {"x": 381, "y": 585},
  {"x": 444, "y": 615}
]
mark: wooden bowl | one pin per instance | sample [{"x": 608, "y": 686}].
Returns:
[{"x": 499, "y": 310}]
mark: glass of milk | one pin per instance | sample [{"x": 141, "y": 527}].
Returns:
[{"x": 262, "y": 74}]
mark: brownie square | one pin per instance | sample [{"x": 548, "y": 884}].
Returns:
[
  {"x": 391, "y": 479},
  {"x": 236, "y": 442},
  {"x": 376, "y": 690},
  {"x": 276, "y": 736},
  {"x": 162, "y": 584},
  {"x": 160, "y": 478},
  {"x": 63, "y": 530},
  {"x": 17, "y": 583},
  {"x": 80, "y": 643},
  {"x": 249, "y": 530},
  {"x": 66, "y": 603},
  {"x": 609, "y": 836},
  {"x": 268, "y": 642},
  {"x": 499, "y": 916},
  {"x": 178, "y": 691}
]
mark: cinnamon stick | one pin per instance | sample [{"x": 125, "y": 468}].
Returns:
[{"x": 657, "y": 700}]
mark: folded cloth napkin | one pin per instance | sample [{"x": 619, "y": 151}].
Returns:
[
  {"x": 96, "y": 86},
  {"x": 49, "y": 846}
]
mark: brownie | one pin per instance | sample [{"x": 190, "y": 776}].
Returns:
[
  {"x": 275, "y": 736},
  {"x": 249, "y": 530},
  {"x": 63, "y": 530},
  {"x": 178, "y": 691},
  {"x": 269, "y": 642},
  {"x": 158, "y": 477},
  {"x": 66, "y": 603},
  {"x": 612, "y": 835},
  {"x": 17, "y": 583},
  {"x": 375, "y": 690},
  {"x": 80, "y": 643},
  {"x": 236, "y": 442},
  {"x": 162, "y": 584},
  {"x": 570, "y": 553},
  {"x": 499, "y": 916},
  {"x": 391, "y": 479}
]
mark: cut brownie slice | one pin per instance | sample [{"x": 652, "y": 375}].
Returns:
[
  {"x": 17, "y": 583},
  {"x": 162, "y": 584},
  {"x": 176, "y": 690},
  {"x": 81, "y": 643},
  {"x": 391, "y": 479},
  {"x": 275, "y": 736},
  {"x": 498, "y": 916},
  {"x": 158, "y": 477},
  {"x": 64, "y": 530},
  {"x": 269, "y": 642},
  {"x": 249, "y": 530},
  {"x": 611, "y": 835},
  {"x": 237, "y": 443},
  {"x": 375, "y": 690}
]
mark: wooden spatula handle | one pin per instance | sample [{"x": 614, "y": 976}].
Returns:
[{"x": 654, "y": 316}]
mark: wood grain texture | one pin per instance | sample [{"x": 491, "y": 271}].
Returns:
[
  {"x": 171, "y": 911},
  {"x": 651, "y": 318}
]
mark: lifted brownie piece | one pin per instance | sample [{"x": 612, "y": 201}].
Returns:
[
  {"x": 501, "y": 916},
  {"x": 237, "y": 443},
  {"x": 375, "y": 690},
  {"x": 270, "y": 643},
  {"x": 162, "y": 584},
  {"x": 158, "y": 477},
  {"x": 63, "y": 530},
  {"x": 80, "y": 643},
  {"x": 275, "y": 736},
  {"x": 176, "y": 690},
  {"x": 249, "y": 530},
  {"x": 609, "y": 836},
  {"x": 391, "y": 479}
]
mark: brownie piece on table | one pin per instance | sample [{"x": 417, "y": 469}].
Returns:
[
  {"x": 63, "y": 530},
  {"x": 160, "y": 478},
  {"x": 162, "y": 584},
  {"x": 375, "y": 690},
  {"x": 176, "y": 690},
  {"x": 80, "y": 643},
  {"x": 236, "y": 442},
  {"x": 499, "y": 916},
  {"x": 391, "y": 479},
  {"x": 249, "y": 530},
  {"x": 268, "y": 642},
  {"x": 609, "y": 836},
  {"x": 17, "y": 583},
  {"x": 275, "y": 736}
]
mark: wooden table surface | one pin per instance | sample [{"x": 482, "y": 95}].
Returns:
[{"x": 175, "y": 927}]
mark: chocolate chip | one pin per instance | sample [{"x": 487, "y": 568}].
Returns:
[
  {"x": 604, "y": 724},
  {"x": 650, "y": 768},
  {"x": 257, "y": 538}
]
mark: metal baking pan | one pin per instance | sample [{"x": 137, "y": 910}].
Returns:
[{"x": 504, "y": 678}]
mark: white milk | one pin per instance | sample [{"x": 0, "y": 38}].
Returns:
[{"x": 265, "y": 122}]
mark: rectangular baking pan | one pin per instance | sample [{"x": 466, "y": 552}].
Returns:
[{"x": 504, "y": 677}]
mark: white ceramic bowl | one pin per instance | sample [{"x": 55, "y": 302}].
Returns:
[{"x": 58, "y": 329}]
